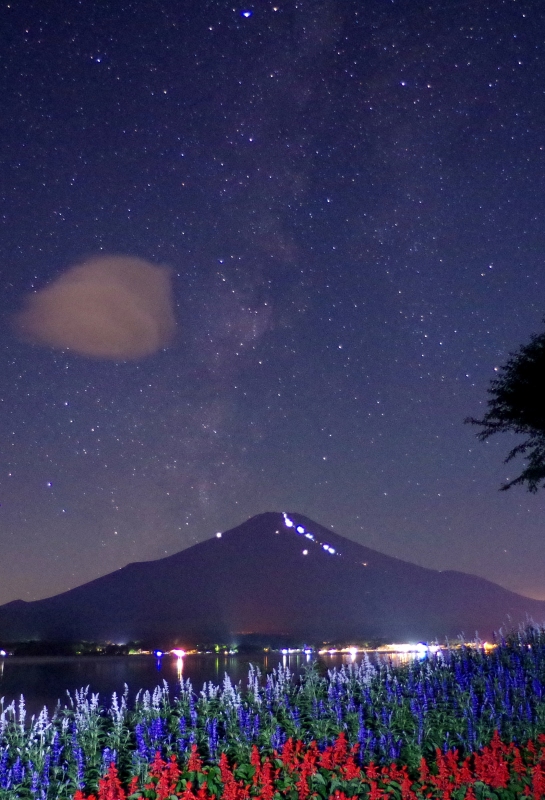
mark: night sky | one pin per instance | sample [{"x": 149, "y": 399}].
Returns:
[{"x": 349, "y": 198}]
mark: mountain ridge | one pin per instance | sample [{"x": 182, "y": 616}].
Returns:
[{"x": 276, "y": 574}]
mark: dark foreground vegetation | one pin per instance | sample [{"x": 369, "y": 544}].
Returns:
[
  {"x": 461, "y": 723},
  {"x": 48, "y": 648}
]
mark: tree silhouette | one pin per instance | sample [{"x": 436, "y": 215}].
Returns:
[{"x": 517, "y": 405}]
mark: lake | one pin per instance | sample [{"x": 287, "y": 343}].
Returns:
[{"x": 45, "y": 680}]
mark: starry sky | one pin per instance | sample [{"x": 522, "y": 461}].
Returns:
[{"x": 348, "y": 195}]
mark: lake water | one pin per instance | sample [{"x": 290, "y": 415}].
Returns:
[{"x": 45, "y": 680}]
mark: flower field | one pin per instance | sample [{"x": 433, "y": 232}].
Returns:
[{"x": 461, "y": 723}]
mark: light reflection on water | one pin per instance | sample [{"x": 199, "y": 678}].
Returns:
[{"x": 45, "y": 680}]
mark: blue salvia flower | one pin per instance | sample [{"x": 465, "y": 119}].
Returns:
[
  {"x": 155, "y": 733},
  {"x": 4, "y": 769},
  {"x": 108, "y": 757},
  {"x": 470, "y": 734},
  {"x": 248, "y": 726},
  {"x": 141, "y": 746},
  {"x": 9, "y": 779},
  {"x": 212, "y": 733},
  {"x": 57, "y": 748},
  {"x": 44, "y": 777},
  {"x": 77, "y": 753},
  {"x": 278, "y": 738},
  {"x": 192, "y": 712},
  {"x": 182, "y": 746},
  {"x": 18, "y": 771}
]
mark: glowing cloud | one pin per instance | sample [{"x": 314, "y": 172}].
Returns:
[{"x": 113, "y": 307}]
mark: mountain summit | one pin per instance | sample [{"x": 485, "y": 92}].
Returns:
[{"x": 275, "y": 575}]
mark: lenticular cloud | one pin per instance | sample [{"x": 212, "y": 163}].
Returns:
[{"x": 113, "y": 307}]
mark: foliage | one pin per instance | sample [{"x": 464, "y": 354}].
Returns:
[
  {"x": 517, "y": 405},
  {"x": 449, "y": 702}
]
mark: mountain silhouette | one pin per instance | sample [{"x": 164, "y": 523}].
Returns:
[{"x": 276, "y": 575}]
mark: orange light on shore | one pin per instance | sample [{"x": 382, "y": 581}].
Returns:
[{"x": 178, "y": 653}]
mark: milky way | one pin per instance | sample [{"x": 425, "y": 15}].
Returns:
[{"x": 348, "y": 202}]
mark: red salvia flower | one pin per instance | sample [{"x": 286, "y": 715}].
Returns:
[
  {"x": 310, "y": 758},
  {"x": 302, "y": 787},
  {"x": 464, "y": 775},
  {"x": 538, "y": 783},
  {"x": 243, "y": 792},
  {"x": 491, "y": 767},
  {"x": 173, "y": 771},
  {"x": 267, "y": 788},
  {"x": 156, "y": 766},
  {"x": 424, "y": 770},
  {"x": 255, "y": 761},
  {"x": 287, "y": 754},
  {"x": 109, "y": 787},
  {"x": 406, "y": 788},
  {"x": 442, "y": 779},
  {"x": 195, "y": 762},
  {"x": 202, "y": 794},
  {"x": 451, "y": 758},
  {"x": 518, "y": 764},
  {"x": 496, "y": 744},
  {"x": 225, "y": 772},
  {"x": 393, "y": 772},
  {"x": 187, "y": 793},
  {"x": 340, "y": 748},
  {"x": 351, "y": 770},
  {"x": 327, "y": 758},
  {"x": 375, "y": 793},
  {"x": 230, "y": 789},
  {"x": 168, "y": 779}
]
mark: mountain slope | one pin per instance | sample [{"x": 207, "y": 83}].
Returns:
[{"x": 256, "y": 579}]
